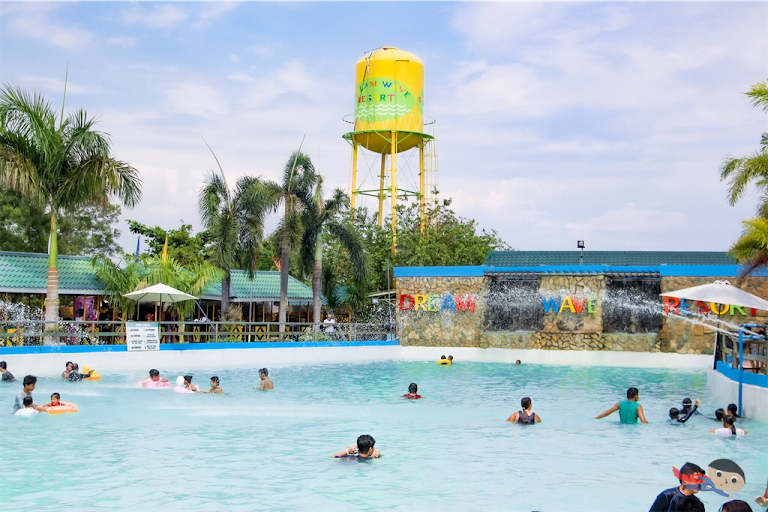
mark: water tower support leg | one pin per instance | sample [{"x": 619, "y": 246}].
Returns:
[
  {"x": 353, "y": 189},
  {"x": 393, "y": 163},
  {"x": 381, "y": 188},
  {"x": 421, "y": 183}
]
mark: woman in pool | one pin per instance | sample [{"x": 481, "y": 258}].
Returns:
[
  {"x": 188, "y": 384},
  {"x": 525, "y": 416},
  {"x": 412, "y": 392},
  {"x": 728, "y": 428}
]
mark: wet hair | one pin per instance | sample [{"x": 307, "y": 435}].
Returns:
[
  {"x": 450, "y": 357},
  {"x": 153, "y": 373},
  {"x": 728, "y": 423},
  {"x": 56, "y": 395},
  {"x": 442, "y": 357},
  {"x": 687, "y": 402},
  {"x": 518, "y": 362},
  {"x": 733, "y": 410},
  {"x": 689, "y": 504},
  {"x": 365, "y": 443},
  {"x": 264, "y": 371},
  {"x": 689, "y": 468},
  {"x": 525, "y": 403},
  {"x": 632, "y": 393},
  {"x": 719, "y": 414},
  {"x": 413, "y": 388},
  {"x": 30, "y": 379},
  {"x": 69, "y": 363},
  {"x": 674, "y": 412},
  {"x": 188, "y": 378},
  {"x": 215, "y": 379},
  {"x": 75, "y": 366},
  {"x": 27, "y": 401},
  {"x": 3, "y": 365},
  {"x": 728, "y": 466},
  {"x": 736, "y": 506}
]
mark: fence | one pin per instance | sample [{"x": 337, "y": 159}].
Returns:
[
  {"x": 14, "y": 334},
  {"x": 754, "y": 352}
]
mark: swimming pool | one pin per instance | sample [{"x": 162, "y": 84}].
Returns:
[{"x": 138, "y": 449}]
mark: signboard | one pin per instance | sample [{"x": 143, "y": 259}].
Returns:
[{"x": 142, "y": 336}]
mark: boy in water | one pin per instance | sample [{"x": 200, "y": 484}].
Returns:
[
  {"x": 629, "y": 410},
  {"x": 7, "y": 376},
  {"x": 28, "y": 408},
  {"x": 363, "y": 449},
  {"x": 55, "y": 401},
  {"x": 265, "y": 382},
  {"x": 154, "y": 375},
  {"x": 674, "y": 416},
  {"x": 29, "y": 386},
  {"x": 214, "y": 387},
  {"x": 670, "y": 497},
  {"x": 412, "y": 392}
]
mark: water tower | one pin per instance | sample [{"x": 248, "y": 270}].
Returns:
[{"x": 389, "y": 120}]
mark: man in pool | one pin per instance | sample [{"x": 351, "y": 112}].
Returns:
[
  {"x": 363, "y": 449},
  {"x": 67, "y": 369},
  {"x": 215, "y": 388},
  {"x": 29, "y": 386},
  {"x": 265, "y": 382},
  {"x": 412, "y": 392},
  {"x": 7, "y": 376},
  {"x": 629, "y": 410},
  {"x": 666, "y": 500},
  {"x": 154, "y": 375}
]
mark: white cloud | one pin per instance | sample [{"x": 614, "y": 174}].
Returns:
[
  {"x": 234, "y": 58},
  {"x": 32, "y": 21},
  {"x": 125, "y": 42},
  {"x": 56, "y": 85},
  {"x": 156, "y": 16},
  {"x": 197, "y": 100}
]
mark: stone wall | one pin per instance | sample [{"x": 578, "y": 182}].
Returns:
[{"x": 580, "y": 286}]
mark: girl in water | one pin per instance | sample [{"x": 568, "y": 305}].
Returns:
[
  {"x": 412, "y": 392},
  {"x": 525, "y": 416},
  {"x": 729, "y": 429}
]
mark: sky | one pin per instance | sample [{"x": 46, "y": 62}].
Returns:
[{"x": 556, "y": 122}]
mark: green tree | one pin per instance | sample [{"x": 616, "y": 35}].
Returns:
[
  {"x": 85, "y": 230},
  {"x": 323, "y": 217},
  {"x": 740, "y": 172},
  {"x": 751, "y": 249},
  {"x": 58, "y": 166},
  {"x": 183, "y": 246}
]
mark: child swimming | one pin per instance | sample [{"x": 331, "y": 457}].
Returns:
[
  {"x": 55, "y": 401},
  {"x": 728, "y": 428},
  {"x": 188, "y": 384},
  {"x": 214, "y": 387},
  {"x": 363, "y": 449},
  {"x": 525, "y": 416},
  {"x": 154, "y": 380},
  {"x": 412, "y": 392},
  {"x": 28, "y": 408}
]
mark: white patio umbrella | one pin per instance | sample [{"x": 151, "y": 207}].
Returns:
[
  {"x": 720, "y": 292},
  {"x": 159, "y": 293}
]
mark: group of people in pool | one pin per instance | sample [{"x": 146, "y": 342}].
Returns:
[
  {"x": 24, "y": 405},
  {"x": 630, "y": 411}
]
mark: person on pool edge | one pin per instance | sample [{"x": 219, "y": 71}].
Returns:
[
  {"x": 412, "y": 392},
  {"x": 629, "y": 410},
  {"x": 363, "y": 449}
]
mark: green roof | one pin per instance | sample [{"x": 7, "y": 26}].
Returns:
[
  {"x": 264, "y": 285},
  {"x": 22, "y": 272},
  {"x": 615, "y": 258}
]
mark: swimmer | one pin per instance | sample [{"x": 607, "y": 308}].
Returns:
[
  {"x": 75, "y": 375},
  {"x": 28, "y": 408},
  {"x": 55, "y": 401},
  {"x": 29, "y": 386},
  {"x": 666, "y": 500},
  {"x": 525, "y": 416},
  {"x": 674, "y": 416},
  {"x": 214, "y": 387},
  {"x": 188, "y": 383},
  {"x": 363, "y": 449},
  {"x": 687, "y": 411},
  {"x": 450, "y": 358},
  {"x": 719, "y": 415},
  {"x": 733, "y": 411},
  {"x": 67, "y": 369},
  {"x": 736, "y": 506},
  {"x": 412, "y": 392},
  {"x": 265, "y": 382},
  {"x": 518, "y": 363},
  {"x": 629, "y": 410},
  {"x": 728, "y": 428},
  {"x": 689, "y": 504},
  {"x": 7, "y": 376},
  {"x": 154, "y": 375}
]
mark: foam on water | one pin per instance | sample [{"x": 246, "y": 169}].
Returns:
[{"x": 143, "y": 449}]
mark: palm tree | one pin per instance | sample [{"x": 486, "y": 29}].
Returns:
[
  {"x": 323, "y": 216},
  {"x": 58, "y": 166},
  {"x": 741, "y": 171},
  {"x": 234, "y": 222},
  {"x": 751, "y": 249}
]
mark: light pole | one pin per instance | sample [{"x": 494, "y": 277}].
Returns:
[{"x": 580, "y": 245}]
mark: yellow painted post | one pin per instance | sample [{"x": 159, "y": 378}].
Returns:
[
  {"x": 421, "y": 182},
  {"x": 353, "y": 191},
  {"x": 381, "y": 188},
  {"x": 393, "y": 174}
]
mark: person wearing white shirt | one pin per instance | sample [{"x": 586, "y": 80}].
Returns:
[{"x": 328, "y": 324}]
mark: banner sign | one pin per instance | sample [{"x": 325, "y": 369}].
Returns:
[{"x": 142, "y": 336}]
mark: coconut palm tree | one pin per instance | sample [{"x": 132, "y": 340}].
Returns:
[
  {"x": 323, "y": 217},
  {"x": 751, "y": 249},
  {"x": 58, "y": 166},
  {"x": 740, "y": 172},
  {"x": 234, "y": 222}
]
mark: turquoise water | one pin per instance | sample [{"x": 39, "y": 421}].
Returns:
[{"x": 140, "y": 449}]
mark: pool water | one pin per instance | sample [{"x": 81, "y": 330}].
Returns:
[{"x": 144, "y": 449}]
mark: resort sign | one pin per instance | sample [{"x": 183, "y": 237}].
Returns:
[
  {"x": 141, "y": 336},
  {"x": 691, "y": 307},
  {"x": 437, "y": 302}
]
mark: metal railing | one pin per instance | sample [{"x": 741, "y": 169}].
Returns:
[
  {"x": 753, "y": 352},
  {"x": 26, "y": 333}
]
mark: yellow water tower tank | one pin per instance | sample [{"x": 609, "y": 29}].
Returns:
[{"x": 389, "y": 119}]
